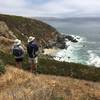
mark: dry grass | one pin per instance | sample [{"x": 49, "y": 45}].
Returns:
[
  {"x": 20, "y": 85},
  {"x": 5, "y": 44},
  {"x": 6, "y": 41}
]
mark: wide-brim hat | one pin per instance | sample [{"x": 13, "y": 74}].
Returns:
[
  {"x": 31, "y": 38},
  {"x": 17, "y": 42}
]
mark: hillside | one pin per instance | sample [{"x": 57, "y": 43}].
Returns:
[
  {"x": 56, "y": 80},
  {"x": 20, "y": 85},
  {"x": 12, "y": 27}
]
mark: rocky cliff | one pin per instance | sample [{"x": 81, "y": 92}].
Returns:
[{"x": 12, "y": 27}]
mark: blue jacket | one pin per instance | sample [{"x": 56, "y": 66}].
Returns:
[{"x": 32, "y": 48}]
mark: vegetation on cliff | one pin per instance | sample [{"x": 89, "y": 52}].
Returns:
[
  {"x": 51, "y": 67},
  {"x": 18, "y": 84},
  {"x": 2, "y": 68},
  {"x": 14, "y": 26},
  {"x": 23, "y": 27}
]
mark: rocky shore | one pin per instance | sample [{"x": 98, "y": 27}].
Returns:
[
  {"x": 60, "y": 44},
  {"x": 61, "y": 41}
]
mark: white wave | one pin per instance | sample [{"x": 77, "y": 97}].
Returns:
[
  {"x": 74, "y": 46},
  {"x": 65, "y": 55},
  {"x": 68, "y": 54},
  {"x": 78, "y": 38},
  {"x": 93, "y": 59},
  {"x": 67, "y": 42}
]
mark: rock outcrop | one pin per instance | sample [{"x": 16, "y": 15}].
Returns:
[
  {"x": 5, "y": 31},
  {"x": 71, "y": 38},
  {"x": 6, "y": 37},
  {"x": 12, "y": 27}
]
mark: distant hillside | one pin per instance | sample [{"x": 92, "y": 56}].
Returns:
[
  {"x": 20, "y": 85},
  {"x": 69, "y": 19},
  {"x": 19, "y": 27}
]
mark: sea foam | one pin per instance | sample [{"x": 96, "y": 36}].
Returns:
[
  {"x": 68, "y": 55},
  {"x": 94, "y": 59}
]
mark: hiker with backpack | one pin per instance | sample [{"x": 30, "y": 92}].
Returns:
[
  {"x": 32, "y": 50},
  {"x": 18, "y": 52}
]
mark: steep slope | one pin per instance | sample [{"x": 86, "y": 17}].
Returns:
[
  {"x": 12, "y": 27},
  {"x": 6, "y": 37},
  {"x": 19, "y": 85}
]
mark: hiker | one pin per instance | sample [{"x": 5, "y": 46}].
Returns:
[
  {"x": 18, "y": 52},
  {"x": 32, "y": 50}
]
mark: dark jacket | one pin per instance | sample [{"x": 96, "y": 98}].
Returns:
[
  {"x": 32, "y": 48},
  {"x": 20, "y": 50}
]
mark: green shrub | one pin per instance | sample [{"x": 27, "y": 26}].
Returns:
[
  {"x": 74, "y": 70},
  {"x": 2, "y": 68},
  {"x": 52, "y": 67}
]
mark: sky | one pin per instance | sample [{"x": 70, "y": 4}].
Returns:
[{"x": 51, "y": 8}]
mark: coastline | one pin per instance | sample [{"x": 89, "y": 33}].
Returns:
[
  {"x": 51, "y": 51},
  {"x": 63, "y": 54}
]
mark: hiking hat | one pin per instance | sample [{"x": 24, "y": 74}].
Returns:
[
  {"x": 31, "y": 38},
  {"x": 17, "y": 42}
]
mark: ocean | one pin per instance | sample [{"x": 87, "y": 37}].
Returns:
[{"x": 87, "y": 51}]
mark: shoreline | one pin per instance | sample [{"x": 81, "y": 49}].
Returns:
[
  {"x": 62, "y": 54},
  {"x": 51, "y": 51},
  {"x": 67, "y": 54}
]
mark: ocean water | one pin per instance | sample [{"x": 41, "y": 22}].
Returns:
[{"x": 87, "y": 51}]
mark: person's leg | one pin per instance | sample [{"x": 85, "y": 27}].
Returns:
[
  {"x": 31, "y": 64},
  {"x": 19, "y": 62},
  {"x": 17, "y": 65},
  {"x": 35, "y": 64},
  {"x": 33, "y": 68}
]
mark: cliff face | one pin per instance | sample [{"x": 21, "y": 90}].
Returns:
[
  {"x": 6, "y": 37},
  {"x": 12, "y": 27}
]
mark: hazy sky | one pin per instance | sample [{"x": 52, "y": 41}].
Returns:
[{"x": 52, "y": 8}]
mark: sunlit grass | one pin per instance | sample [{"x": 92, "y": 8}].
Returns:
[{"x": 17, "y": 84}]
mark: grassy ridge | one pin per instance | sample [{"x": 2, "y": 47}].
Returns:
[
  {"x": 52, "y": 67},
  {"x": 69, "y": 69}
]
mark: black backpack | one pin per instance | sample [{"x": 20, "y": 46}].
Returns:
[
  {"x": 17, "y": 51},
  {"x": 32, "y": 49}
]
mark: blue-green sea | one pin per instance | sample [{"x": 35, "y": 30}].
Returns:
[{"x": 87, "y": 51}]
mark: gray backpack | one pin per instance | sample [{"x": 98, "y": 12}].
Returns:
[{"x": 17, "y": 51}]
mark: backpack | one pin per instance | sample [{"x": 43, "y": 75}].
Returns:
[
  {"x": 32, "y": 49},
  {"x": 17, "y": 51}
]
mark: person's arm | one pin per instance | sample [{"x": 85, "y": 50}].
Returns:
[
  {"x": 22, "y": 49},
  {"x": 11, "y": 50},
  {"x": 37, "y": 50}
]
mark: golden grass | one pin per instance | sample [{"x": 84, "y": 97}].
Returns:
[
  {"x": 6, "y": 41},
  {"x": 5, "y": 44},
  {"x": 20, "y": 85}
]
